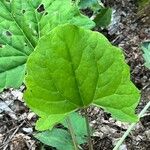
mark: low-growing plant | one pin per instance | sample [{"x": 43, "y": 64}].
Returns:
[
  {"x": 73, "y": 68},
  {"x": 70, "y": 68}
]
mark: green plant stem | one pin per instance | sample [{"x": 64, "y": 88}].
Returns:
[
  {"x": 72, "y": 134},
  {"x": 88, "y": 130},
  {"x": 131, "y": 127}
]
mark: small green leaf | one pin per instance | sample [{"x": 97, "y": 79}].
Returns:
[
  {"x": 146, "y": 55},
  {"x": 58, "y": 138},
  {"x": 103, "y": 18},
  {"x": 22, "y": 23},
  {"x": 73, "y": 68},
  {"x": 48, "y": 122},
  {"x": 79, "y": 126}
]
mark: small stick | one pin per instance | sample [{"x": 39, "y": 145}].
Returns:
[{"x": 6, "y": 144}]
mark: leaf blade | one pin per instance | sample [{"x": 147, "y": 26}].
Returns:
[{"x": 82, "y": 74}]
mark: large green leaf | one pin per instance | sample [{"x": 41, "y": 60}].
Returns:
[
  {"x": 22, "y": 23},
  {"x": 72, "y": 68},
  {"x": 146, "y": 55}
]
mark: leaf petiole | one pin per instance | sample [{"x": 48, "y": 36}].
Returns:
[
  {"x": 88, "y": 130},
  {"x": 73, "y": 136}
]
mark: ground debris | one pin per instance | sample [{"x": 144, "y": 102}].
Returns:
[
  {"x": 16, "y": 122},
  {"x": 22, "y": 142}
]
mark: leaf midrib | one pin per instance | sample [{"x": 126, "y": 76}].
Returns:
[{"x": 73, "y": 70}]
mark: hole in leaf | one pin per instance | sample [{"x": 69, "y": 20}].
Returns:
[
  {"x": 8, "y": 1},
  {"x": 23, "y": 11},
  {"x": 46, "y": 13},
  {"x": 41, "y": 8},
  {"x": 8, "y": 33},
  {"x": 2, "y": 46}
]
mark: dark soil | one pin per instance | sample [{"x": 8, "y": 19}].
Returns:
[{"x": 128, "y": 30}]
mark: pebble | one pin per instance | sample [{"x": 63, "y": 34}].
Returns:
[
  {"x": 1, "y": 116},
  {"x": 123, "y": 147},
  {"x": 98, "y": 134},
  {"x": 4, "y": 107},
  {"x": 17, "y": 94},
  {"x": 27, "y": 130}
]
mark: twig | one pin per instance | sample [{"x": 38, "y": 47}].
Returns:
[
  {"x": 5, "y": 145},
  {"x": 131, "y": 127},
  {"x": 30, "y": 146}
]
